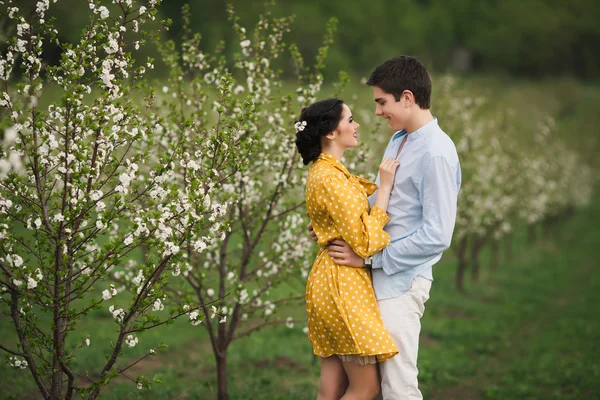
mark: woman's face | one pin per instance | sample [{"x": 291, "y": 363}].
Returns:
[{"x": 347, "y": 130}]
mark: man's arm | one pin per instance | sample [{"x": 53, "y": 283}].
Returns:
[{"x": 440, "y": 186}]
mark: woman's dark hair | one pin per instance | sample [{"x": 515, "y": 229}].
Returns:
[
  {"x": 321, "y": 118},
  {"x": 403, "y": 73}
]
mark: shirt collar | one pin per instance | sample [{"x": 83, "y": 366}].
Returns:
[
  {"x": 331, "y": 160},
  {"x": 419, "y": 132}
]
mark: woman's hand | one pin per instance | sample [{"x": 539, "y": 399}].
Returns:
[{"x": 387, "y": 171}]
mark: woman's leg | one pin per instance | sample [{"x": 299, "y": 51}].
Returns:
[
  {"x": 333, "y": 382},
  {"x": 364, "y": 381}
]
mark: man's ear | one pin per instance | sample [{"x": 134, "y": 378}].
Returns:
[{"x": 408, "y": 98}]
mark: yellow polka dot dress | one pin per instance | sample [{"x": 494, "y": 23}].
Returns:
[{"x": 343, "y": 318}]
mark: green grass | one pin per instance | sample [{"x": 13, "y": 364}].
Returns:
[{"x": 529, "y": 330}]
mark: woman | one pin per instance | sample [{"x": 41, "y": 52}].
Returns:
[{"x": 344, "y": 325}]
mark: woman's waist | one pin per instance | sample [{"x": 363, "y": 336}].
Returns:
[{"x": 324, "y": 260}]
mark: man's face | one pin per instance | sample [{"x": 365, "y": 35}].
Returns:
[{"x": 397, "y": 113}]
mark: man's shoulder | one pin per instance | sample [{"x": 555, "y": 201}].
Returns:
[{"x": 440, "y": 144}]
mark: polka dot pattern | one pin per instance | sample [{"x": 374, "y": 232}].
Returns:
[{"x": 343, "y": 317}]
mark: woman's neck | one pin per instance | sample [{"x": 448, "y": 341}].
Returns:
[{"x": 335, "y": 151}]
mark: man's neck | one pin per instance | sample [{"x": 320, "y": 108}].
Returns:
[{"x": 419, "y": 120}]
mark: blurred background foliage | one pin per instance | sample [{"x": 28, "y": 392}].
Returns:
[{"x": 531, "y": 39}]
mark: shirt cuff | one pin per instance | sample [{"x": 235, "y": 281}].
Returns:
[
  {"x": 380, "y": 216},
  {"x": 377, "y": 260}
]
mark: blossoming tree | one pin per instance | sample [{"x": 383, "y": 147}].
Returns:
[
  {"x": 266, "y": 245},
  {"x": 89, "y": 181},
  {"x": 520, "y": 176}
]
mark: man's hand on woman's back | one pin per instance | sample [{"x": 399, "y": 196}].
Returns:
[
  {"x": 342, "y": 254},
  {"x": 339, "y": 251}
]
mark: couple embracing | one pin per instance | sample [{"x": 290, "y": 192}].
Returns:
[{"x": 366, "y": 291}]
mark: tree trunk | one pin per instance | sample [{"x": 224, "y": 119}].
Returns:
[
  {"x": 222, "y": 375},
  {"x": 474, "y": 266},
  {"x": 508, "y": 247},
  {"x": 532, "y": 233},
  {"x": 475, "y": 250},
  {"x": 495, "y": 254},
  {"x": 57, "y": 330},
  {"x": 460, "y": 274},
  {"x": 549, "y": 225},
  {"x": 562, "y": 219},
  {"x": 462, "y": 264}
]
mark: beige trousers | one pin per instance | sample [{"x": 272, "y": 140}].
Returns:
[{"x": 402, "y": 317}]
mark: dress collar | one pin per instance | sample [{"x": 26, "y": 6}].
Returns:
[
  {"x": 331, "y": 160},
  {"x": 367, "y": 186}
]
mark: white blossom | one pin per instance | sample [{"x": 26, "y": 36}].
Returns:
[
  {"x": 158, "y": 305},
  {"x": 95, "y": 195},
  {"x": 10, "y": 135},
  {"x": 139, "y": 279},
  {"x": 31, "y": 283},
  {"x": 103, "y": 11},
  {"x": 170, "y": 249},
  {"x": 15, "y": 362},
  {"x": 15, "y": 260},
  {"x": 200, "y": 245},
  {"x": 112, "y": 46},
  {"x": 194, "y": 318},
  {"x": 117, "y": 313},
  {"x": 131, "y": 340}
]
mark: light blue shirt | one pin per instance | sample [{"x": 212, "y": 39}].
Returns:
[{"x": 422, "y": 209}]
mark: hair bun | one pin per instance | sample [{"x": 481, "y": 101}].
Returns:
[
  {"x": 308, "y": 142},
  {"x": 315, "y": 121}
]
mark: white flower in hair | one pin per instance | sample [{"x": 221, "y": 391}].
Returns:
[{"x": 300, "y": 126}]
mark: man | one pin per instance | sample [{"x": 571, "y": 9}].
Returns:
[{"x": 422, "y": 212}]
